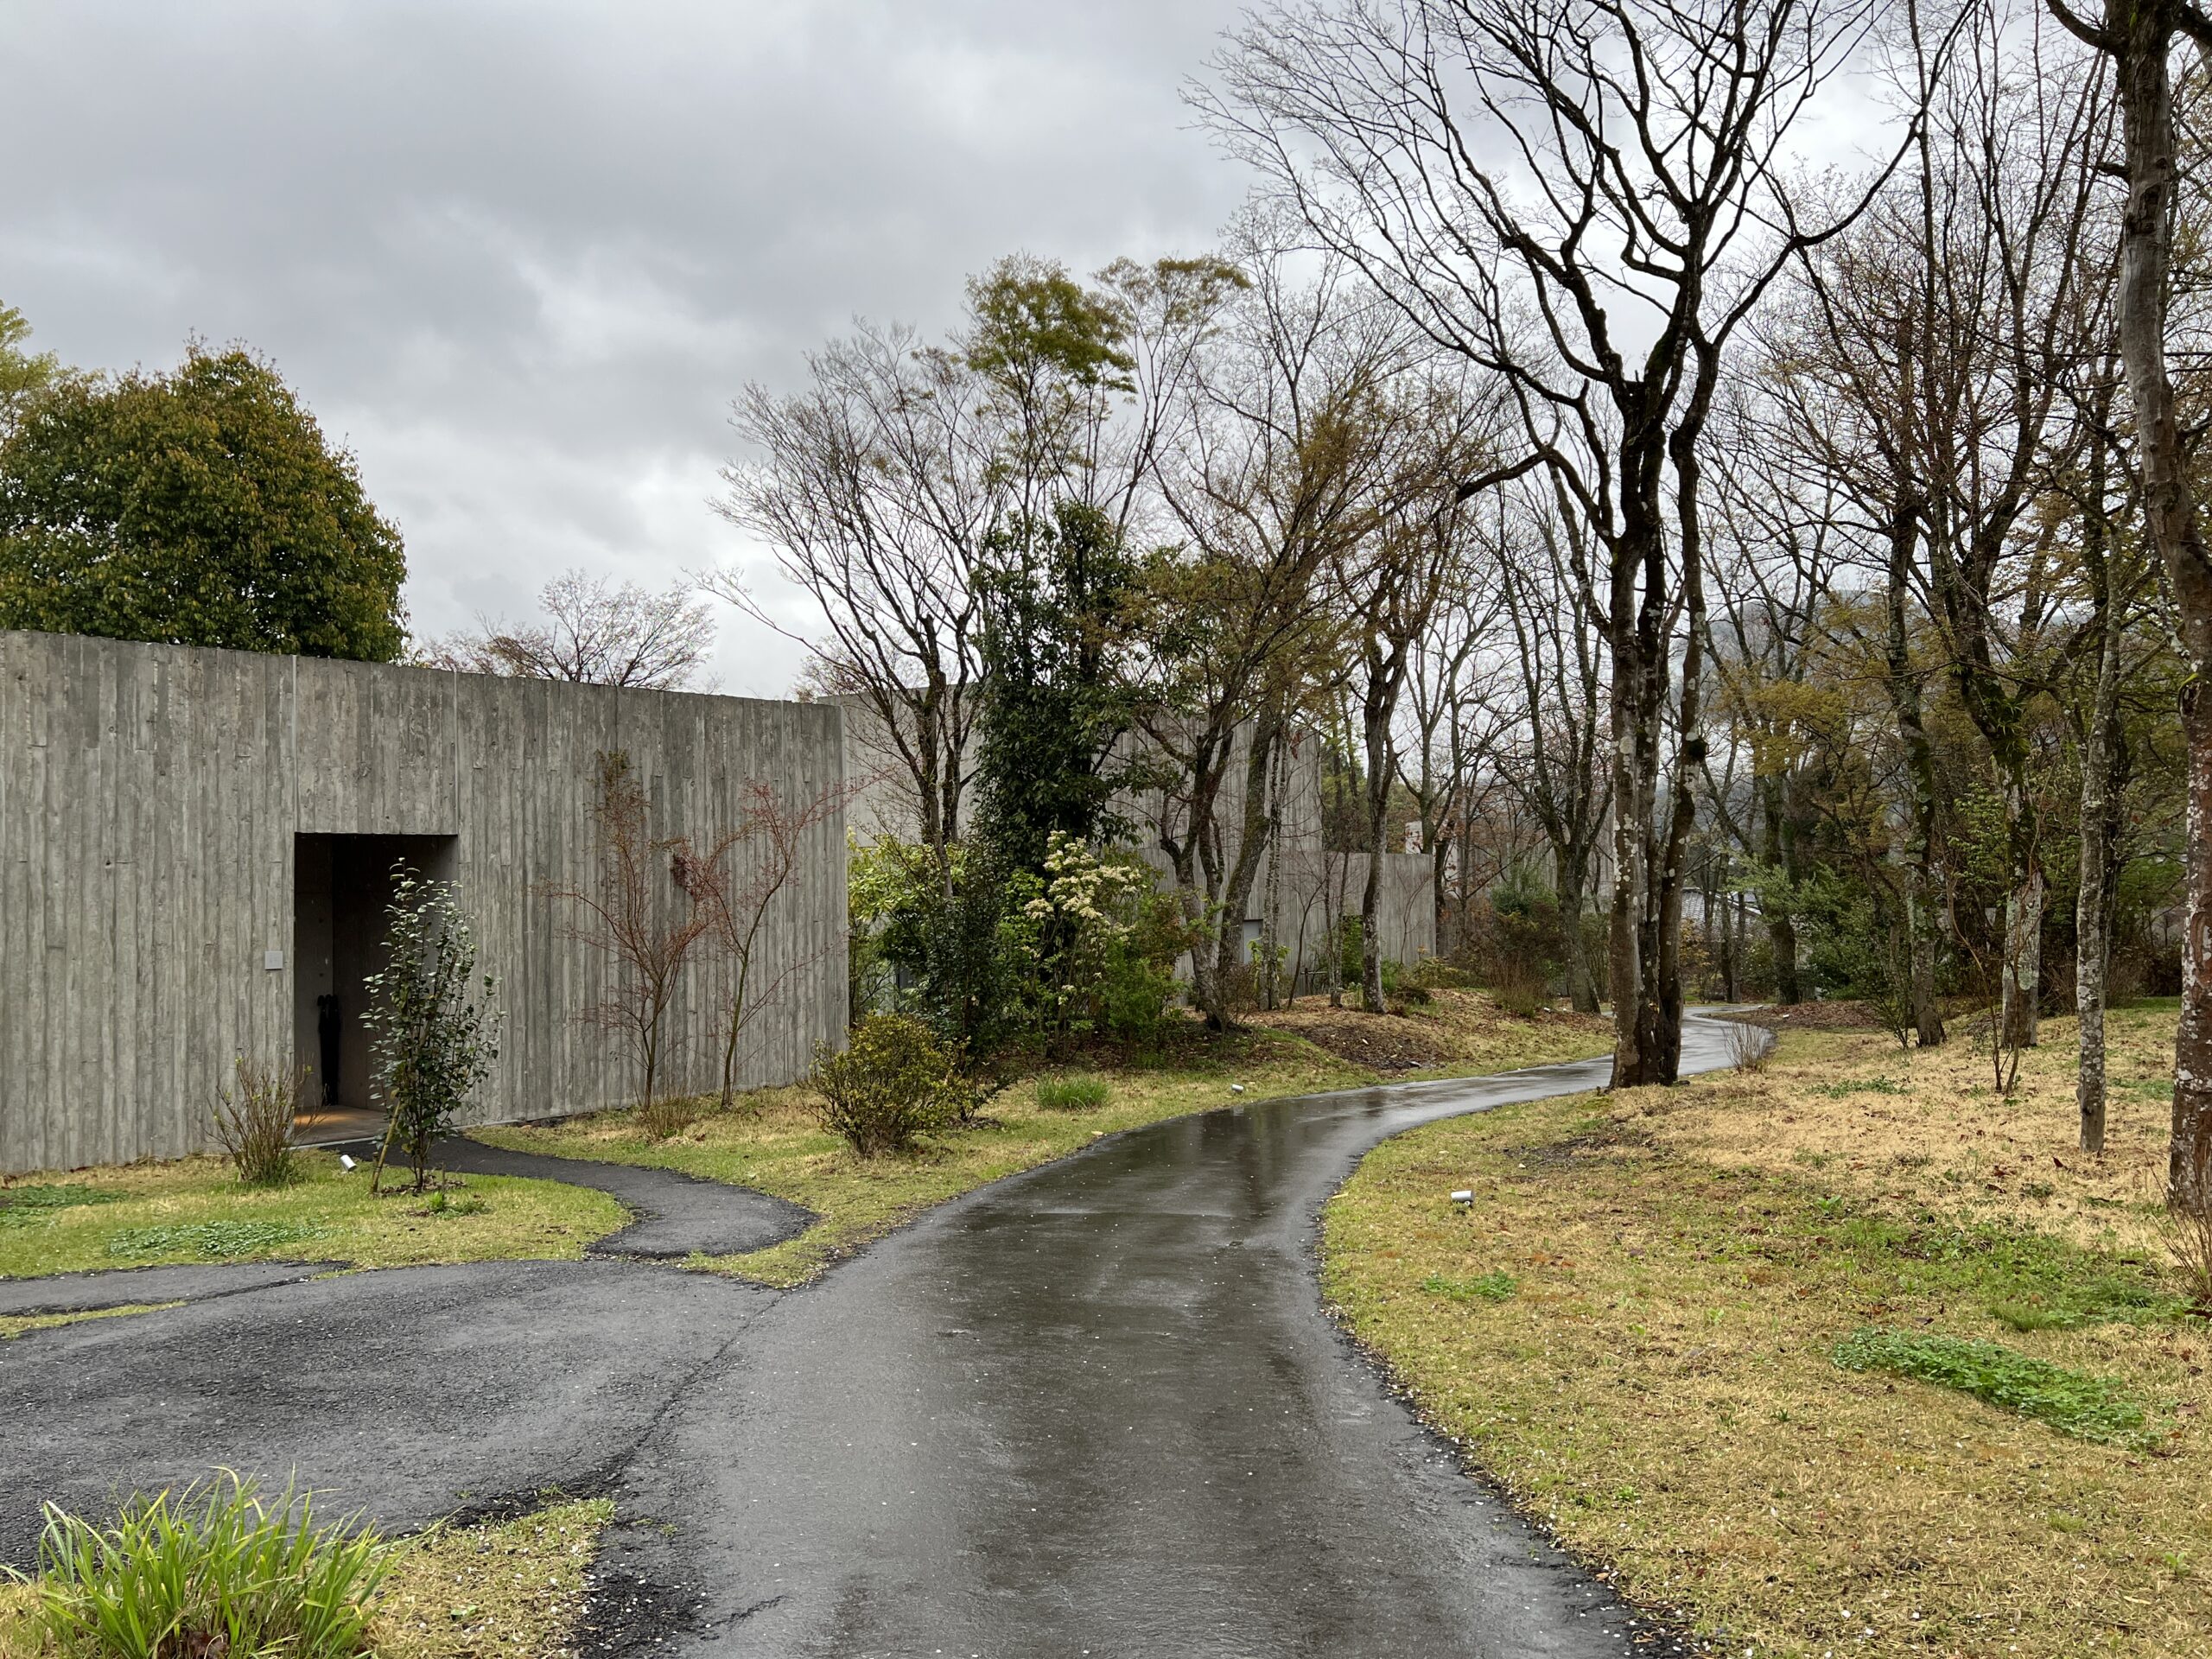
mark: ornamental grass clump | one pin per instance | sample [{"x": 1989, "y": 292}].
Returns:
[
  {"x": 893, "y": 1081},
  {"x": 1071, "y": 1094},
  {"x": 210, "y": 1572},
  {"x": 254, "y": 1122}
]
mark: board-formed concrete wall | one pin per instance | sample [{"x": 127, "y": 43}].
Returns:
[{"x": 150, "y": 800}]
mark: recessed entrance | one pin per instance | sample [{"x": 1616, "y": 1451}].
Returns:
[{"x": 341, "y": 888}]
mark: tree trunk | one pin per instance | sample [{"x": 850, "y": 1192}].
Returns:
[
  {"x": 2139, "y": 36},
  {"x": 2023, "y": 983},
  {"x": 1779, "y": 851},
  {"x": 1381, "y": 768},
  {"x": 1573, "y": 883},
  {"x": 1922, "y": 883},
  {"x": 2189, "y": 1173},
  {"x": 2103, "y": 770},
  {"x": 1237, "y": 892}
]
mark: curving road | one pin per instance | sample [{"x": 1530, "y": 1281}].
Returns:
[{"x": 1092, "y": 1409}]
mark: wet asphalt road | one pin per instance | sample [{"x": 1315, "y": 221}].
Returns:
[{"x": 1093, "y": 1409}]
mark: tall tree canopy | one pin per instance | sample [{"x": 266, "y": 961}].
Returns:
[{"x": 199, "y": 507}]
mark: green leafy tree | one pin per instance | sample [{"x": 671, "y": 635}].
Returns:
[
  {"x": 23, "y": 375},
  {"x": 1055, "y": 598},
  {"x": 199, "y": 507},
  {"x": 435, "y": 1042}
]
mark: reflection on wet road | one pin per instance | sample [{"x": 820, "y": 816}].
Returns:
[{"x": 1096, "y": 1409}]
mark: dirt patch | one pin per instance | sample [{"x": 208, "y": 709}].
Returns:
[
  {"x": 1462, "y": 1031},
  {"x": 1383, "y": 1042},
  {"x": 1812, "y": 1016}
]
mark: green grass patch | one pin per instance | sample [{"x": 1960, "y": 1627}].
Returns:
[
  {"x": 2087, "y": 1407},
  {"x": 24, "y": 1206},
  {"x": 1850, "y": 1086},
  {"x": 194, "y": 1210},
  {"x": 1071, "y": 1094},
  {"x": 1487, "y": 1287},
  {"x": 208, "y": 1241},
  {"x": 18, "y": 1325}
]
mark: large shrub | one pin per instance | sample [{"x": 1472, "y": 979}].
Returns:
[
  {"x": 213, "y": 1570},
  {"x": 925, "y": 926},
  {"x": 1091, "y": 943},
  {"x": 893, "y": 1081}
]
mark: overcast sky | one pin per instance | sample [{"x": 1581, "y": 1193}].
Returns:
[{"x": 520, "y": 257}]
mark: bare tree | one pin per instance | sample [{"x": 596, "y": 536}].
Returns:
[
  {"x": 1289, "y": 455},
  {"x": 594, "y": 634},
  {"x": 2139, "y": 36},
  {"x": 1419, "y": 561},
  {"x": 1649, "y": 138},
  {"x": 627, "y": 918},
  {"x": 1552, "y": 755},
  {"x": 874, "y": 491},
  {"x": 733, "y": 885}
]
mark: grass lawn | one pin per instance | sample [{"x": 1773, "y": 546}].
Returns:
[
  {"x": 1845, "y": 1353},
  {"x": 512, "y": 1590},
  {"x": 193, "y": 1209}
]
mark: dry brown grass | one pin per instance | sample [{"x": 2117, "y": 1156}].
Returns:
[
  {"x": 1655, "y": 1380},
  {"x": 506, "y": 1591},
  {"x": 1909, "y": 1126}
]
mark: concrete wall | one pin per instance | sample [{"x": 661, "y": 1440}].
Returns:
[{"x": 151, "y": 798}]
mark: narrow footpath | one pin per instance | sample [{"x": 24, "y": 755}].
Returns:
[{"x": 1093, "y": 1409}]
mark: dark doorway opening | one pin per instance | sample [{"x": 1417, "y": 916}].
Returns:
[{"x": 342, "y": 889}]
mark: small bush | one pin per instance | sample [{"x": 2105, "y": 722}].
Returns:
[
  {"x": 1435, "y": 974},
  {"x": 1519, "y": 988},
  {"x": 1071, "y": 1094},
  {"x": 253, "y": 1120},
  {"x": 667, "y": 1115},
  {"x": 213, "y": 1571},
  {"x": 2189, "y": 1236},
  {"x": 456, "y": 1204},
  {"x": 1748, "y": 1046},
  {"x": 2087, "y": 1407},
  {"x": 893, "y": 1082}
]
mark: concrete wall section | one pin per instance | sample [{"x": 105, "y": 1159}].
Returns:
[{"x": 150, "y": 801}]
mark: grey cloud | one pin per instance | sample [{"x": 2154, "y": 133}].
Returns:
[{"x": 520, "y": 257}]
